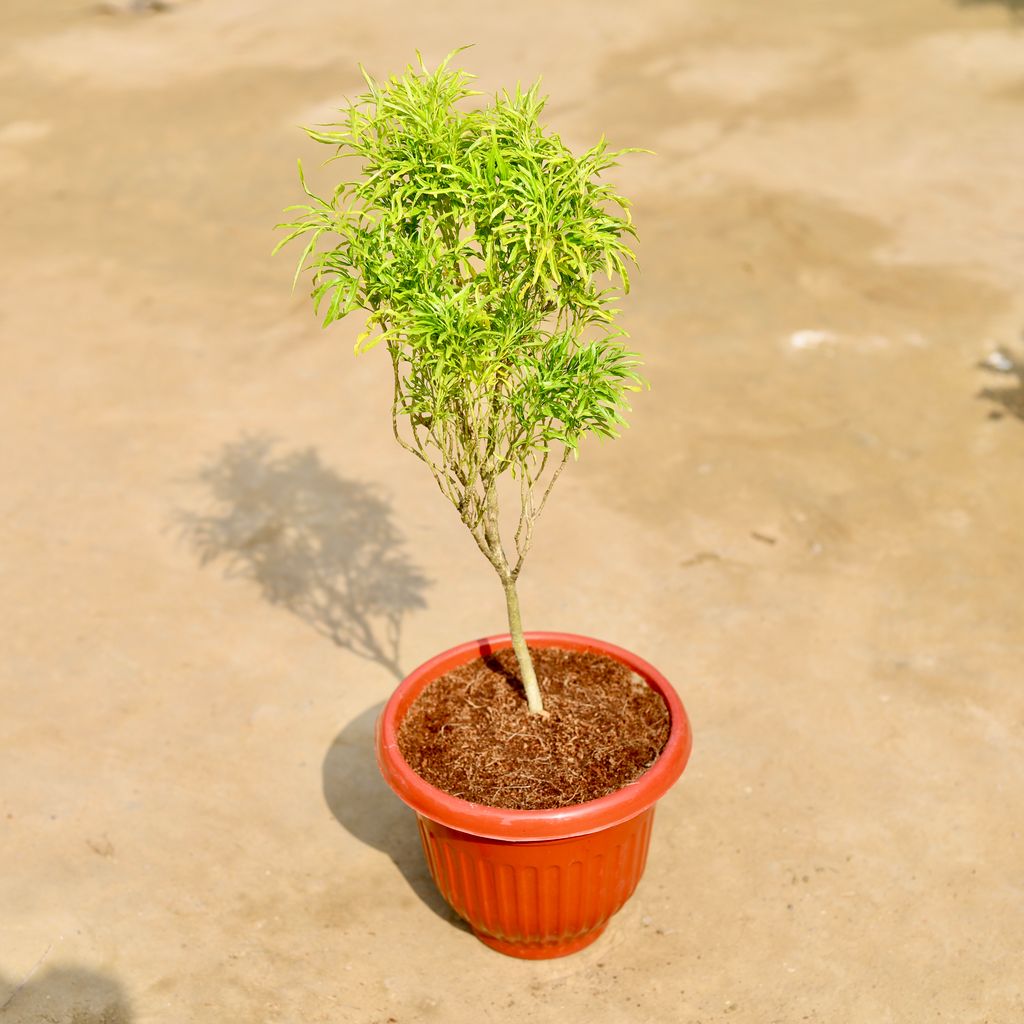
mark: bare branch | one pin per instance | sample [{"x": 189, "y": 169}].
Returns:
[
  {"x": 551, "y": 483},
  {"x": 534, "y": 516}
]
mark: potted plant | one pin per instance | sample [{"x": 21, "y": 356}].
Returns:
[{"x": 473, "y": 239}]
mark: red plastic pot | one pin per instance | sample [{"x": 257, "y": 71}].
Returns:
[{"x": 534, "y": 884}]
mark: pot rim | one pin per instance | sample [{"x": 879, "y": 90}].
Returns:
[{"x": 518, "y": 825}]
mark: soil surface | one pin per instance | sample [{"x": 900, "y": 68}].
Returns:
[
  {"x": 471, "y": 734},
  {"x": 216, "y": 562}
]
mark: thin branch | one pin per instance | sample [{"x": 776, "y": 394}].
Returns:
[
  {"x": 394, "y": 408},
  {"x": 551, "y": 483},
  {"x": 527, "y": 514},
  {"x": 540, "y": 508}
]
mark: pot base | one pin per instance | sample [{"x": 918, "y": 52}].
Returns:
[
  {"x": 541, "y": 950},
  {"x": 538, "y": 900}
]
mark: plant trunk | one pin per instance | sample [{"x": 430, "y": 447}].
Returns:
[{"x": 515, "y": 627}]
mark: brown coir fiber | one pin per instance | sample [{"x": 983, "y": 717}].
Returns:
[{"x": 470, "y": 733}]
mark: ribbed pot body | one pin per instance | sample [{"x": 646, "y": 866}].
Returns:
[
  {"x": 541, "y": 883},
  {"x": 542, "y": 899}
]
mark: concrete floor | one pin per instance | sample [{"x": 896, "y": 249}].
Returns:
[{"x": 813, "y": 526}]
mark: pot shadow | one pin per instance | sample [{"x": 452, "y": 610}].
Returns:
[
  {"x": 320, "y": 545},
  {"x": 362, "y": 802},
  {"x": 73, "y": 994}
]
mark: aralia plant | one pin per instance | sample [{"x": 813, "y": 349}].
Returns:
[{"x": 474, "y": 239}]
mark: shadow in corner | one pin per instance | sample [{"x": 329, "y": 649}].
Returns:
[
  {"x": 1015, "y": 7},
  {"x": 67, "y": 994},
  {"x": 1011, "y": 398},
  {"x": 315, "y": 543},
  {"x": 363, "y": 803}
]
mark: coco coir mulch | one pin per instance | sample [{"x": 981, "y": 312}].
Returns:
[{"x": 470, "y": 733}]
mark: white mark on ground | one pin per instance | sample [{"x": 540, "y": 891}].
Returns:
[
  {"x": 999, "y": 361},
  {"x": 811, "y": 338}
]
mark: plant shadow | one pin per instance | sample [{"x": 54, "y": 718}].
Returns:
[
  {"x": 510, "y": 674},
  {"x": 1014, "y": 7},
  {"x": 364, "y": 805},
  {"x": 320, "y": 545},
  {"x": 1010, "y": 398},
  {"x": 73, "y": 994}
]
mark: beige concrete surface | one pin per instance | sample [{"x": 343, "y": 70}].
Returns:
[{"x": 813, "y": 526}]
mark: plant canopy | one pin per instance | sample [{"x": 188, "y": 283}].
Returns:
[{"x": 474, "y": 239}]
